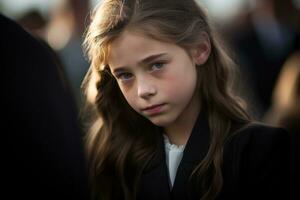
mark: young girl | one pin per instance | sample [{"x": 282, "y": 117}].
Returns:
[{"x": 165, "y": 123}]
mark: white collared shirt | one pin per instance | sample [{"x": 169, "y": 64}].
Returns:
[{"x": 174, "y": 155}]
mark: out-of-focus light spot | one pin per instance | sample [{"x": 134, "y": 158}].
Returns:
[
  {"x": 58, "y": 36},
  {"x": 223, "y": 9},
  {"x": 285, "y": 90}
]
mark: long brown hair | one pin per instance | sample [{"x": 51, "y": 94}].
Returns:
[{"x": 120, "y": 142}]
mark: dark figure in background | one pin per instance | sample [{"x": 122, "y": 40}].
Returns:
[
  {"x": 43, "y": 156},
  {"x": 263, "y": 42},
  {"x": 285, "y": 110},
  {"x": 291, "y": 121}
]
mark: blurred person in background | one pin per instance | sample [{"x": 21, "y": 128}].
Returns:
[
  {"x": 263, "y": 40},
  {"x": 43, "y": 151},
  {"x": 64, "y": 34},
  {"x": 285, "y": 110},
  {"x": 37, "y": 25},
  {"x": 62, "y": 28},
  {"x": 34, "y": 23}
]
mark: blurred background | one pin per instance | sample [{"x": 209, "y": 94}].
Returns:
[{"x": 263, "y": 36}]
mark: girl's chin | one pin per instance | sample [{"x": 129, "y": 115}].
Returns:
[{"x": 160, "y": 121}]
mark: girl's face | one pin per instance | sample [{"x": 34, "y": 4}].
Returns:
[{"x": 157, "y": 79}]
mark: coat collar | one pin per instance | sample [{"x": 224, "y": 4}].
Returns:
[
  {"x": 194, "y": 152},
  {"x": 155, "y": 179},
  {"x": 198, "y": 142}
]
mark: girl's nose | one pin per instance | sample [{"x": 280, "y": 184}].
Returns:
[{"x": 146, "y": 89}]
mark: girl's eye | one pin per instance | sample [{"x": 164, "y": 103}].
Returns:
[
  {"x": 124, "y": 76},
  {"x": 157, "y": 66}
]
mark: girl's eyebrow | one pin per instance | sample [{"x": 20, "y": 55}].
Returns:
[
  {"x": 143, "y": 61},
  {"x": 151, "y": 58}
]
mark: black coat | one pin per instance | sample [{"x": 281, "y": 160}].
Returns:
[
  {"x": 257, "y": 165},
  {"x": 43, "y": 156}
]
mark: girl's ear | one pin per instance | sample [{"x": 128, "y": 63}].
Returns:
[{"x": 202, "y": 52}]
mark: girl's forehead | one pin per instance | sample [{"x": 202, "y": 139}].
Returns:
[
  {"x": 132, "y": 47},
  {"x": 129, "y": 39}
]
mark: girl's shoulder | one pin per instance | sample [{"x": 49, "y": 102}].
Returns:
[
  {"x": 257, "y": 141},
  {"x": 257, "y": 161},
  {"x": 258, "y": 133}
]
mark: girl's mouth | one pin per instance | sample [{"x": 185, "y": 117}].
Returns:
[{"x": 154, "y": 110}]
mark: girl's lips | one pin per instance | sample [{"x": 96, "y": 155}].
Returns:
[{"x": 154, "y": 110}]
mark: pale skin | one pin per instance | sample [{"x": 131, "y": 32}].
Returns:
[{"x": 160, "y": 75}]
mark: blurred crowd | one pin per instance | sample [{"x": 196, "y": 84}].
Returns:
[
  {"x": 266, "y": 43},
  {"x": 263, "y": 40}
]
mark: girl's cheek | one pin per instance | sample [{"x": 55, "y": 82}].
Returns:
[
  {"x": 126, "y": 89},
  {"x": 170, "y": 83}
]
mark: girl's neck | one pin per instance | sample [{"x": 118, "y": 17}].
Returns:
[{"x": 180, "y": 130}]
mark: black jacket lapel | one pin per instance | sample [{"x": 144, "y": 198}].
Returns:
[
  {"x": 154, "y": 182},
  {"x": 194, "y": 152}
]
